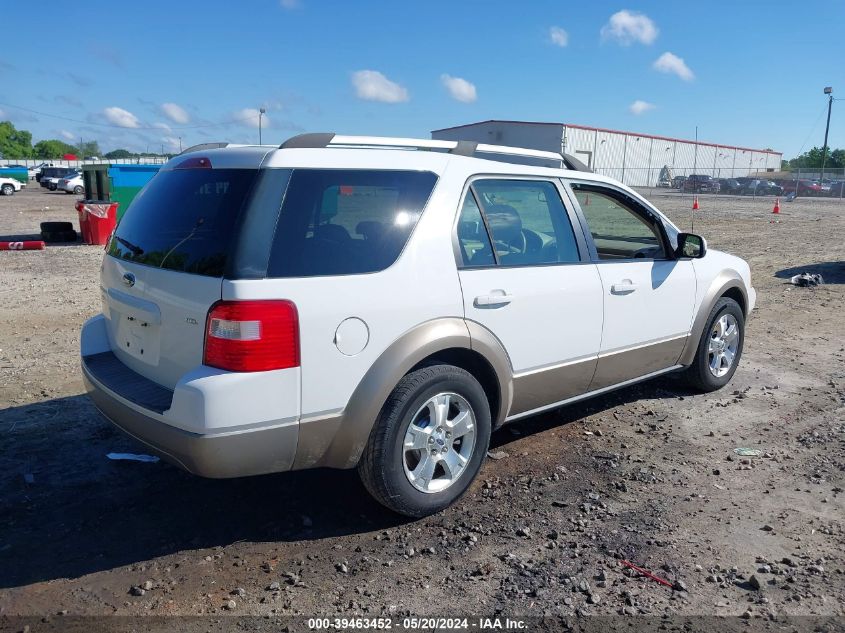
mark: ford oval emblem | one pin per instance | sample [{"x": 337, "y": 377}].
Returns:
[{"x": 129, "y": 279}]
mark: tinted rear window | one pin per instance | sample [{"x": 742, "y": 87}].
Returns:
[
  {"x": 184, "y": 220},
  {"x": 341, "y": 222}
]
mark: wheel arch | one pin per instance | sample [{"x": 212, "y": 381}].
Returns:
[
  {"x": 727, "y": 283},
  {"x": 339, "y": 441}
]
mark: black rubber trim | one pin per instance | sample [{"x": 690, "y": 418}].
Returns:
[{"x": 107, "y": 369}]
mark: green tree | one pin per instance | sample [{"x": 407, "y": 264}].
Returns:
[
  {"x": 119, "y": 153},
  {"x": 812, "y": 159},
  {"x": 52, "y": 148},
  {"x": 89, "y": 148},
  {"x": 14, "y": 143}
]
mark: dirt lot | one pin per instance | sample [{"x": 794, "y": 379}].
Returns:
[{"x": 647, "y": 474}]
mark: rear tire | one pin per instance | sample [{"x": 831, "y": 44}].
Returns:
[
  {"x": 720, "y": 348},
  {"x": 420, "y": 470},
  {"x": 57, "y": 237},
  {"x": 54, "y": 227},
  {"x": 78, "y": 190}
]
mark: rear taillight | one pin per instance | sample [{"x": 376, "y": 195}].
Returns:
[{"x": 252, "y": 335}]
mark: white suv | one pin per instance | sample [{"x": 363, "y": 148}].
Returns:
[{"x": 386, "y": 304}]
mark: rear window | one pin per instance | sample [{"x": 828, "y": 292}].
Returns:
[
  {"x": 341, "y": 222},
  {"x": 184, "y": 220}
]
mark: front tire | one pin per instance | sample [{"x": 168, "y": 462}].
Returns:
[
  {"x": 7, "y": 190},
  {"x": 428, "y": 442},
  {"x": 719, "y": 349}
]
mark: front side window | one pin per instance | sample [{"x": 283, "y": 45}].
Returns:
[
  {"x": 342, "y": 222},
  {"x": 619, "y": 230},
  {"x": 527, "y": 222}
]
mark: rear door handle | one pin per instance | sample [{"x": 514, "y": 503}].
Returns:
[
  {"x": 496, "y": 299},
  {"x": 626, "y": 286}
]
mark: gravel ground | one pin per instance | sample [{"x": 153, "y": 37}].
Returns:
[{"x": 647, "y": 474}]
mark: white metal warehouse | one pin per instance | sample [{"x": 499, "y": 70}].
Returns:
[{"x": 633, "y": 158}]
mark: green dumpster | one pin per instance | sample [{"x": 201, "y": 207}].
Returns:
[{"x": 127, "y": 181}]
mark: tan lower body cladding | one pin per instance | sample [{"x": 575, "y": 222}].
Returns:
[{"x": 544, "y": 387}]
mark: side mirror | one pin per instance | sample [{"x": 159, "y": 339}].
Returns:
[{"x": 691, "y": 245}]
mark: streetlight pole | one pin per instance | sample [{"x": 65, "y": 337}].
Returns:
[
  {"x": 180, "y": 144},
  {"x": 829, "y": 92},
  {"x": 261, "y": 112}
]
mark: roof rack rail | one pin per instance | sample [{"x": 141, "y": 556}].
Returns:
[
  {"x": 196, "y": 148},
  {"x": 461, "y": 148}
]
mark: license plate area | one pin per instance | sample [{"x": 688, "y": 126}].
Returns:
[{"x": 137, "y": 336}]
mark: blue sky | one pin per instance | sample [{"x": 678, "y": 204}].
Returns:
[{"x": 747, "y": 73}]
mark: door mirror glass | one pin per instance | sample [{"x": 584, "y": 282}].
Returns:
[{"x": 691, "y": 245}]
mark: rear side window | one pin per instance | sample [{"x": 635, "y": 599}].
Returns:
[
  {"x": 184, "y": 220},
  {"x": 343, "y": 222}
]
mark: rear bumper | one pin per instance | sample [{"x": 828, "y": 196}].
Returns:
[{"x": 236, "y": 452}]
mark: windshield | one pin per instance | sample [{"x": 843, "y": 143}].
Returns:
[{"x": 184, "y": 220}]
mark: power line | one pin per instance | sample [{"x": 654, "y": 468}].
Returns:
[{"x": 123, "y": 127}]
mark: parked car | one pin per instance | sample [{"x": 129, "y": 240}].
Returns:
[
  {"x": 730, "y": 185},
  {"x": 72, "y": 183},
  {"x": 801, "y": 187},
  {"x": 47, "y": 173},
  {"x": 35, "y": 171},
  {"x": 701, "y": 183},
  {"x": 678, "y": 181},
  {"x": 758, "y": 187},
  {"x": 836, "y": 189},
  {"x": 332, "y": 304},
  {"x": 8, "y": 186},
  {"x": 52, "y": 183}
]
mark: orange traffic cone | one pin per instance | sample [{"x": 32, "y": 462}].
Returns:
[
  {"x": 777, "y": 206},
  {"x": 695, "y": 204}
]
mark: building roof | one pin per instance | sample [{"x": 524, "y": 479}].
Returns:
[{"x": 601, "y": 129}]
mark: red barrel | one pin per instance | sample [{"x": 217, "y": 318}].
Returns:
[
  {"x": 83, "y": 222},
  {"x": 97, "y": 221}
]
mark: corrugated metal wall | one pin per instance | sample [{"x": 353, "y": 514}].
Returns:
[{"x": 631, "y": 158}]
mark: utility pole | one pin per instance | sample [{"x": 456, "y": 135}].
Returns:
[
  {"x": 829, "y": 92},
  {"x": 180, "y": 144},
  {"x": 261, "y": 112}
]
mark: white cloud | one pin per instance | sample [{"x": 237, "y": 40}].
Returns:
[
  {"x": 175, "y": 113},
  {"x": 289, "y": 4},
  {"x": 371, "y": 85},
  {"x": 627, "y": 27},
  {"x": 558, "y": 36},
  {"x": 162, "y": 126},
  {"x": 673, "y": 65},
  {"x": 640, "y": 107},
  {"x": 121, "y": 118},
  {"x": 172, "y": 144},
  {"x": 68, "y": 136},
  {"x": 460, "y": 89},
  {"x": 249, "y": 117}
]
